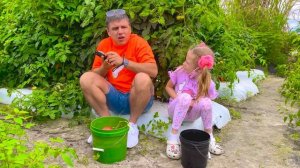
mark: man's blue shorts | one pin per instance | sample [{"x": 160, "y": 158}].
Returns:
[{"x": 118, "y": 102}]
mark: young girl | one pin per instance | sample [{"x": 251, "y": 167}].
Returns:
[{"x": 191, "y": 90}]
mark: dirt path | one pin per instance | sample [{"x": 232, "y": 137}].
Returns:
[{"x": 258, "y": 139}]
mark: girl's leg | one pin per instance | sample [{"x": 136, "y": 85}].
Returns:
[
  {"x": 202, "y": 108},
  {"x": 206, "y": 115},
  {"x": 177, "y": 110}
]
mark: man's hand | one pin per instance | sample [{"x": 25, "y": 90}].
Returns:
[
  {"x": 103, "y": 69},
  {"x": 106, "y": 64},
  {"x": 114, "y": 58}
]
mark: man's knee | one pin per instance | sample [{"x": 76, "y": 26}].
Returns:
[
  {"x": 85, "y": 79},
  {"x": 89, "y": 79},
  {"x": 142, "y": 81}
]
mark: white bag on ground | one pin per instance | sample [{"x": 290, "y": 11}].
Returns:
[
  {"x": 18, "y": 93},
  {"x": 253, "y": 74},
  {"x": 221, "y": 117},
  {"x": 6, "y": 99},
  {"x": 243, "y": 88}
]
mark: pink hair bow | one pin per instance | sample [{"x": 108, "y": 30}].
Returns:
[{"x": 206, "y": 61}]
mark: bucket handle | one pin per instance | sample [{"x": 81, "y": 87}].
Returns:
[
  {"x": 102, "y": 150},
  {"x": 120, "y": 123},
  {"x": 98, "y": 149},
  {"x": 208, "y": 155}
]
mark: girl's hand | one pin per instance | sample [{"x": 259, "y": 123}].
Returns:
[{"x": 191, "y": 105}]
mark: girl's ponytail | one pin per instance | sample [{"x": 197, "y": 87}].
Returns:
[
  {"x": 205, "y": 63},
  {"x": 204, "y": 79}
]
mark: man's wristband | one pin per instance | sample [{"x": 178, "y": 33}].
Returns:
[{"x": 125, "y": 62}]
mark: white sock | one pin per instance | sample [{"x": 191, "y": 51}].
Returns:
[
  {"x": 212, "y": 138},
  {"x": 133, "y": 124},
  {"x": 173, "y": 137},
  {"x": 212, "y": 141}
]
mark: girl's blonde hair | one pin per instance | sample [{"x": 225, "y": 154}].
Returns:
[{"x": 204, "y": 77}]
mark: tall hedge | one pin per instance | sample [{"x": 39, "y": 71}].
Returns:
[{"x": 45, "y": 42}]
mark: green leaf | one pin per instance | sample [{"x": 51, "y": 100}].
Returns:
[
  {"x": 19, "y": 121},
  {"x": 63, "y": 58},
  {"x": 60, "y": 4},
  {"x": 156, "y": 115},
  {"x": 29, "y": 125},
  {"x": 57, "y": 140},
  {"x": 67, "y": 159}
]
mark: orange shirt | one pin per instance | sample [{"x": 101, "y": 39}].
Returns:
[{"x": 137, "y": 50}]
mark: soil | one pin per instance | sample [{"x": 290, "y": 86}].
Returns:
[{"x": 258, "y": 139}]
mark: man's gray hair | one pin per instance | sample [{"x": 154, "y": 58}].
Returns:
[{"x": 116, "y": 14}]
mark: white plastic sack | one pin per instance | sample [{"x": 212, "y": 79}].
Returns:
[
  {"x": 6, "y": 99},
  {"x": 253, "y": 74},
  {"x": 221, "y": 117},
  {"x": 237, "y": 93},
  {"x": 243, "y": 88},
  {"x": 250, "y": 87},
  {"x": 240, "y": 91}
]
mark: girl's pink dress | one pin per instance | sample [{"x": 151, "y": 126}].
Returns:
[{"x": 186, "y": 87}]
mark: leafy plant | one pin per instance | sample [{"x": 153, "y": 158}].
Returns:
[
  {"x": 60, "y": 99},
  {"x": 291, "y": 87},
  {"x": 268, "y": 19},
  {"x": 235, "y": 114},
  {"x": 17, "y": 151},
  {"x": 295, "y": 136},
  {"x": 156, "y": 126},
  {"x": 33, "y": 52}
]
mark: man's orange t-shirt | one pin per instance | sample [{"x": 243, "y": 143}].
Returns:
[{"x": 137, "y": 50}]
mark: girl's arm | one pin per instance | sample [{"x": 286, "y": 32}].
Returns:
[
  {"x": 170, "y": 90},
  {"x": 212, "y": 91}
]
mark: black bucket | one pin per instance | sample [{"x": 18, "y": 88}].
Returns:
[{"x": 194, "y": 148}]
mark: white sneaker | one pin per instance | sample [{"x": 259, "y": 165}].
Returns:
[
  {"x": 133, "y": 136},
  {"x": 215, "y": 149},
  {"x": 90, "y": 139}
]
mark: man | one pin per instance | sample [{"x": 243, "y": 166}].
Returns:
[{"x": 120, "y": 79}]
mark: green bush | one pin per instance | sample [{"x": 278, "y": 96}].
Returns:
[
  {"x": 291, "y": 87},
  {"x": 43, "y": 42},
  {"x": 46, "y": 42},
  {"x": 268, "y": 19},
  {"x": 53, "y": 102}
]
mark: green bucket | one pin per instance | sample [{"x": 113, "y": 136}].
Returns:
[{"x": 110, "y": 145}]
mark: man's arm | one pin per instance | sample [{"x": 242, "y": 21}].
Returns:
[
  {"x": 148, "y": 68},
  {"x": 113, "y": 58},
  {"x": 145, "y": 61}
]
